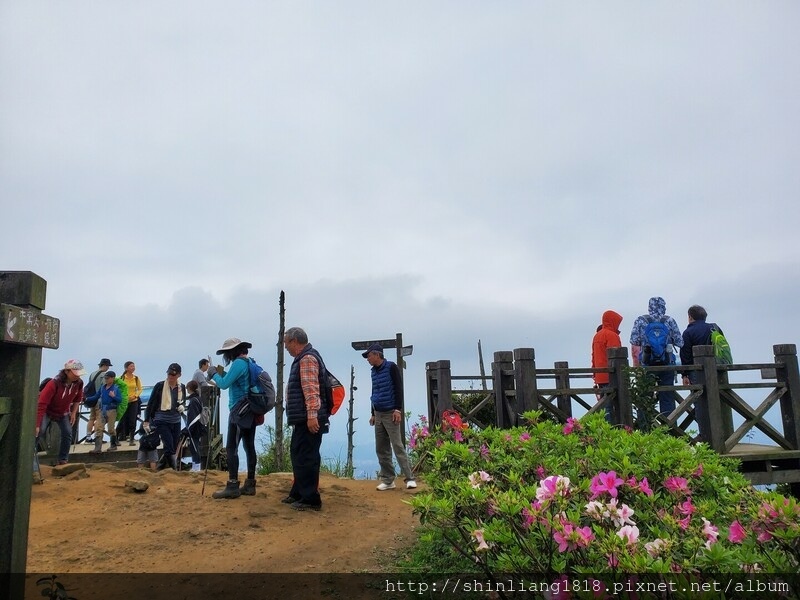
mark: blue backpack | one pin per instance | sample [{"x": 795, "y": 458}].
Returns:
[
  {"x": 654, "y": 346},
  {"x": 261, "y": 395}
]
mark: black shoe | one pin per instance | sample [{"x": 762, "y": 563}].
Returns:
[
  {"x": 249, "y": 487},
  {"x": 230, "y": 491},
  {"x": 304, "y": 506},
  {"x": 289, "y": 500}
]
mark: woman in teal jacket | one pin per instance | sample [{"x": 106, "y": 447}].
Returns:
[{"x": 237, "y": 382}]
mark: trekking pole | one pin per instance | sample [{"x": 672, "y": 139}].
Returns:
[
  {"x": 208, "y": 454},
  {"x": 36, "y": 460}
]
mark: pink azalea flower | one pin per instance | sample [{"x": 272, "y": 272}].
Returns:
[
  {"x": 540, "y": 472},
  {"x": 594, "y": 509},
  {"x": 644, "y": 487},
  {"x": 572, "y": 425},
  {"x": 710, "y": 531},
  {"x": 479, "y": 477},
  {"x": 736, "y": 533},
  {"x": 457, "y": 435},
  {"x": 605, "y": 482},
  {"x": 553, "y": 486},
  {"x": 524, "y": 437},
  {"x": 482, "y": 545},
  {"x": 686, "y": 507},
  {"x": 655, "y": 547},
  {"x": 677, "y": 485},
  {"x": 629, "y": 533},
  {"x": 527, "y": 518},
  {"x": 684, "y": 523},
  {"x": 698, "y": 471},
  {"x": 613, "y": 561},
  {"x": 572, "y": 537},
  {"x": 485, "y": 451}
]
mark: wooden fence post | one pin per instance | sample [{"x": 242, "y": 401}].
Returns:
[
  {"x": 440, "y": 390},
  {"x": 787, "y": 371},
  {"x": 713, "y": 429},
  {"x": 619, "y": 382},
  {"x": 525, "y": 380},
  {"x": 20, "y": 367},
  {"x": 562, "y": 382},
  {"x": 503, "y": 382}
]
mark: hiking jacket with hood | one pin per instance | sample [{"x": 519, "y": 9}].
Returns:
[
  {"x": 656, "y": 311},
  {"x": 607, "y": 337}
]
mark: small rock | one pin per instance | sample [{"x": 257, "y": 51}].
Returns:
[
  {"x": 76, "y": 475},
  {"x": 64, "y": 470},
  {"x": 137, "y": 485}
]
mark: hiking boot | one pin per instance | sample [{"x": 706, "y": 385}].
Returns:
[
  {"x": 249, "y": 487},
  {"x": 411, "y": 484},
  {"x": 305, "y": 506},
  {"x": 382, "y": 487},
  {"x": 289, "y": 500},
  {"x": 113, "y": 445},
  {"x": 231, "y": 490},
  {"x": 98, "y": 447}
]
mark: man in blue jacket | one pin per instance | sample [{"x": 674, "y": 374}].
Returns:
[{"x": 387, "y": 414}]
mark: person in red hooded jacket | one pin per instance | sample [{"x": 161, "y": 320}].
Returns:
[
  {"x": 58, "y": 403},
  {"x": 607, "y": 336}
]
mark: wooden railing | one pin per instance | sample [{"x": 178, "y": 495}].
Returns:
[{"x": 518, "y": 385}]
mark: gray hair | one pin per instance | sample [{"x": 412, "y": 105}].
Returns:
[{"x": 296, "y": 333}]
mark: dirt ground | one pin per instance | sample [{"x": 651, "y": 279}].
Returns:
[{"x": 97, "y": 525}]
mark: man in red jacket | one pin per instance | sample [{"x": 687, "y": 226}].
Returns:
[
  {"x": 58, "y": 402},
  {"x": 607, "y": 336}
]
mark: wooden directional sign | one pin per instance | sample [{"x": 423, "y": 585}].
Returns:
[
  {"x": 382, "y": 343},
  {"x": 29, "y": 327},
  {"x": 407, "y": 350}
]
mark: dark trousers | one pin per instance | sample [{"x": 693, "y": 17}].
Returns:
[
  {"x": 305, "y": 464},
  {"x": 666, "y": 400},
  {"x": 248, "y": 439},
  {"x": 169, "y": 433},
  {"x": 127, "y": 424},
  {"x": 66, "y": 434}
]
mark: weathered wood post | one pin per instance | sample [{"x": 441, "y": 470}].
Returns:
[
  {"x": 562, "y": 383},
  {"x": 619, "y": 382},
  {"x": 25, "y": 330},
  {"x": 440, "y": 390},
  {"x": 713, "y": 427},
  {"x": 525, "y": 380},
  {"x": 786, "y": 369},
  {"x": 503, "y": 382}
]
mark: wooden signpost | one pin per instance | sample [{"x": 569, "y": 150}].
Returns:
[{"x": 25, "y": 331}]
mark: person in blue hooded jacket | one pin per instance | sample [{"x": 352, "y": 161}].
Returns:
[
  {"x": 237, "y": 382},
  {"x": 657, "y": 311}
]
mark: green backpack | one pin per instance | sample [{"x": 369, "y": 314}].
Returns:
[
  {"x": 722, "y": 350},
  {"x": 123, "y": 401}
]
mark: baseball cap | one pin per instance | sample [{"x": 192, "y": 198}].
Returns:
[
  {"x": 110, "y": 375},
  {"x": 76, "y": 366},
  {"x": 174, "y": 368},
  {"x": 373, "y": 348}
]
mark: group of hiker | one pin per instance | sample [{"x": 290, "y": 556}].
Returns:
[
  {"x": 114, "y": 409},
  {"x": 309, "y": 405},
  {"x": 656, "y": 340}
]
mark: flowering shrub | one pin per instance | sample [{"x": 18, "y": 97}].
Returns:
[{"x": 586, "y": 497}]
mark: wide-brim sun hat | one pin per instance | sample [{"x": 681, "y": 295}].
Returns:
[{"x": 231, "y": 343}]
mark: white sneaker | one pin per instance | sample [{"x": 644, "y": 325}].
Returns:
[
  {"x": 382, "y": 487},
  {"x": 411, "y": 484}
]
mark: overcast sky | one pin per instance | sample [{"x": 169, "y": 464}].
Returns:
[{"x": 453, "y": 171}]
